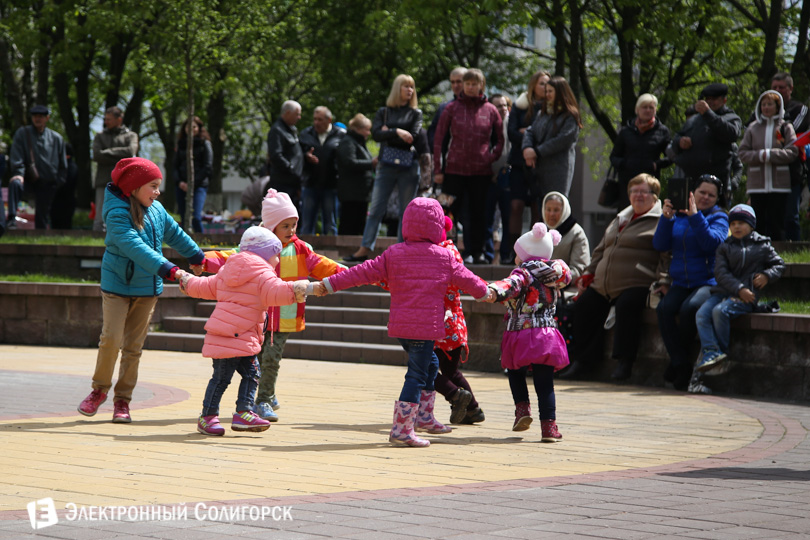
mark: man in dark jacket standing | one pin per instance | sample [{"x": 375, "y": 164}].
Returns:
[
  {"x": 284, "y": 153},
  {"x": 48, "y": 150},
  {"x": 703, "y": 146},
  {"x": 113, "y": 144},
  {"x": 319, "y": 143}
]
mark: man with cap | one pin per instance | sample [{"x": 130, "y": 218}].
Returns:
[
  {"x": 48, "y": 151},
  {"x": 704, "y": 144}
]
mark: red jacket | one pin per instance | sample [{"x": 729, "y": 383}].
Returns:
[{"x": 472, "y": 123}]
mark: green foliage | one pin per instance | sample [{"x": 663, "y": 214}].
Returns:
[{"x": 42, "y": 278}]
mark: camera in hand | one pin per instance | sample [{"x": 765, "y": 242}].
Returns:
[{"x": 679, "y": 193}]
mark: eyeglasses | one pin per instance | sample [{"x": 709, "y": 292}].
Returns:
[{"x": 640, "y": 192}]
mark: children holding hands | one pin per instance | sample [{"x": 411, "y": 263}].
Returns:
[
  {"x": 418, "y": 272},
  {"x": 296, "y": 261},
  {"x": 244, "y": 289}
]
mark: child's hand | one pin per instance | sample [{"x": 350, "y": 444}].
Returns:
[
  {"x": 760, "y": 280},
  {"x": 488, "y": 298},
  {"x": 747, "y": 296},
  {"x": 300, "y": 289},
  {"x": 182, "y": 278},
  {"x": 319, "y": 289},
  {"x": 198, "y": 269}
]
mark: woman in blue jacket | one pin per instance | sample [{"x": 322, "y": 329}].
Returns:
[
  {"x": 132, "y": 272},
  {"x": 693, "y": 235}
]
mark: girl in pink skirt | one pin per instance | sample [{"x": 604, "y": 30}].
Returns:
[{"x": 531, "y": 337}]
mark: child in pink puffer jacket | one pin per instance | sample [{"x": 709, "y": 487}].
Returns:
[
  {"x": 417, "y": 272},
  {"x": 244, "y": 288}
]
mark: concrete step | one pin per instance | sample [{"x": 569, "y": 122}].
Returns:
[
  {"x": 347, "y": 315},
  {"x": 335, "y": 351},
  {"x": 359, "y": 333}
]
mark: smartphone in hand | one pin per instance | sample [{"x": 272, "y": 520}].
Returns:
[{"x": 678, "y": 189}]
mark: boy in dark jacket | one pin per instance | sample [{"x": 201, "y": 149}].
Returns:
[{"x": 744, "y": 263}]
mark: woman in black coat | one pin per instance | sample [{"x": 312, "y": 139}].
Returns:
[
  {"x": 355, "y": 176},
  {"x": 640, "y": 146},
  {"x": 203, "y": 155}
]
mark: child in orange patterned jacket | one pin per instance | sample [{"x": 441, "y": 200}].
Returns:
[{"x": 297, "y": 261}]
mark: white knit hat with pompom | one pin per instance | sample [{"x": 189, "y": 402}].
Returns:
[{"x": 538, "y": 243}]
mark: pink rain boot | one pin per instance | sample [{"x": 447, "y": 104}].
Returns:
[
  {"x": 550, "y": 431},
  {"x": 425, "y": 421},
  {"x": 523, "y": 416},
  {"x": 402, "y": 430}
]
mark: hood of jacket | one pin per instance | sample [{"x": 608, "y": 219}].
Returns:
[
  {"x": 780, "y": 115},
  {"x": 423, "y": 221},
  {"x": 241, "y": 268}
]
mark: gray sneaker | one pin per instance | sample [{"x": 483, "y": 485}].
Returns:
[{"x": 265, "y": 411}]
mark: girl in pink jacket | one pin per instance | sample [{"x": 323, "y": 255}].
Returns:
[
  {"x": 244, "y": 288},
  {"x": 418, "y": 272}
]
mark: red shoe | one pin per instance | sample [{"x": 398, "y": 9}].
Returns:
[
  {"x": 550, "y": 431},
  {"x": 91, "y": 403},
  {"x": 121, "y": 412},
  {"x": 523, "y": 416}
]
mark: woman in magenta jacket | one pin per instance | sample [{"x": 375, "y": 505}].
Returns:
[
  {"x": 472, "y": 122},
  {"x": 417, "y": 272}
]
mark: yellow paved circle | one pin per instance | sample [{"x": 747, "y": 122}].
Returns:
[{"x": 332, "y": 436}]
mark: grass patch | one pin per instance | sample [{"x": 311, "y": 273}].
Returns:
[
  {"x": 43, "y": 278},
  {"x": 53, "y": 240},
  {"x": 797, "y": 307},
  {"x": 796, "y": 257}
]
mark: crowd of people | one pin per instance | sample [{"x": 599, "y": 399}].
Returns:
[{"x": 702, "y": 264}]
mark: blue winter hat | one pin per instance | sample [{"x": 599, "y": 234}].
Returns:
[
  {"x": 260, "y": 241},
  {"x": 743, "y": 212}
]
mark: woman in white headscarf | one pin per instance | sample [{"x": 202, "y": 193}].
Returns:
[{"x": 573, "y": 248}]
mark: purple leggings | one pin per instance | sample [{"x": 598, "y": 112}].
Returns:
[{"x": 449, "y": 378}]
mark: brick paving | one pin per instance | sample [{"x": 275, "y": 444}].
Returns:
[{"x": 635, "y": 463}]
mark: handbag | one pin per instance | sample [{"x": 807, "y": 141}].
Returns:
[
  {"x": 609, "y": 196},
  {"x": 395, "y": 157},
  {"x": 31, "y": 173}
]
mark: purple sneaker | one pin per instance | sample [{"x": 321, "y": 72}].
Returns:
[
  {"x": 209, "y": 425},
  {"x": 248, "y": 421},
  {"x": 91, "y": 403}
]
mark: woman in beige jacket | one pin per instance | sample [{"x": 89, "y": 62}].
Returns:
[
  {"x": 573, "y": 247},
  {"x": 767, "y": 148},
  {"x": 622, "y": 268}
]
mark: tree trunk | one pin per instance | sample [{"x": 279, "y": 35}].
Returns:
[
  {"x": 216, "y": 110},
  {"x": 189, "y": 146}
]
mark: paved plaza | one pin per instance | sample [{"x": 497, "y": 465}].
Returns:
[{"x": 634, "y": 463}]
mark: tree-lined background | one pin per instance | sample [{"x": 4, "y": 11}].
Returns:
[{"x": 234, "y": 62}]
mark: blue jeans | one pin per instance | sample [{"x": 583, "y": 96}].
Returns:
[
  {"x": 793, "y": 230},
  {"x": 423, "y": 365},
  {"x": 500, "y": 196},
  {"x": 714, "y": 320},
  {"x": 314, "y": 200},
  {"x": 676, "y": 320},
  {"x": 197, "y": 208},
  {"x": 247, "y": 367},
  {"x": 388, "y": 177}
]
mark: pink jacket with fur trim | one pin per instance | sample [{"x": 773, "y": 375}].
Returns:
[
  {"x": 244, "y": 288},
  {"x": 418, "y": 272}
]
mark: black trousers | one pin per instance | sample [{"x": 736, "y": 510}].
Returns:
[{"x": 588, "y": 319}]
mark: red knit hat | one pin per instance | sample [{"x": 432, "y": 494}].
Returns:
[{"x": 131, "y": 173}]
